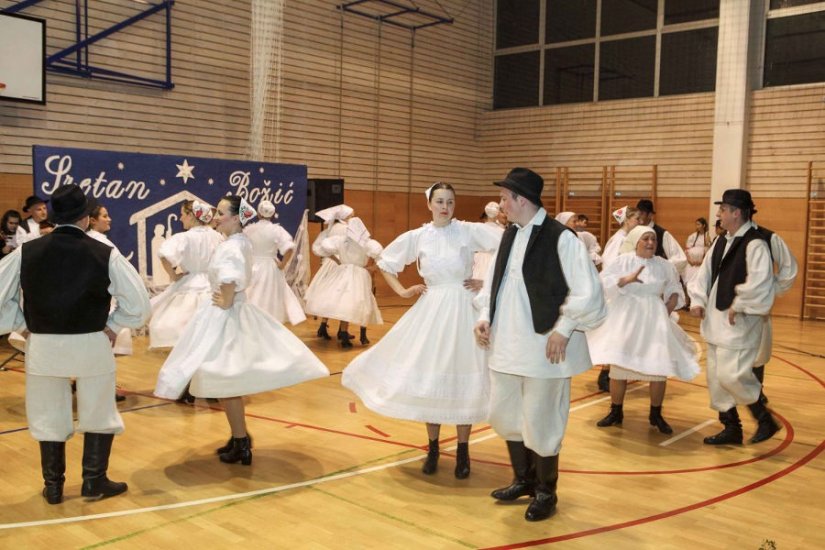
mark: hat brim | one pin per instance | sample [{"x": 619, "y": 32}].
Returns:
[
  {"x": 28, "y": 206},
  {"x": 516, "y": 188}
]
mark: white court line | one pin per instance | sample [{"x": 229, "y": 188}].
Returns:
[
  {"x": 271, "y": 490},
  {"x": 696, "y": 428}
]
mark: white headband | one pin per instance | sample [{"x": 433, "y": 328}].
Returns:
[
  {"x": 564, "y": 217},
  {"x": 492, "y": 209}
]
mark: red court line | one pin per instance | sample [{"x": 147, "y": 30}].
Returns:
[
  {"x": 376, "y": 430},
  {"x": 632, "y": 523},
  {"x": 352, "y": 407}
]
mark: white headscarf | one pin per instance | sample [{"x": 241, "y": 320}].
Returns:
[
  {"x": 564, "y": 217},
  {"x": 202, "y": 211},
  {"x": 266, "y": 209},
  {"x": 632, "y": 239},
  {"x": 339, "y": 212},
  {"x": 620, "y": 215},
  {"x": 492, "y": 209},
  {"x": 245, "y": 212}
]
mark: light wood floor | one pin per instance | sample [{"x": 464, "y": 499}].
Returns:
[{"x": 328, "y": 473}]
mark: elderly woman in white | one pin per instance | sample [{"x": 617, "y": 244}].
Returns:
[{"x": 638, "y": 339}]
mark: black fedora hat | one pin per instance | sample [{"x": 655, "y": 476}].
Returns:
[
  {"x": 33, "y": 201},
  {"x": 645, "y": 205},
  {"x": 69, "y": 204},
  {"x": 738, "y": 198},
  {"x": 525, "y": 182}
]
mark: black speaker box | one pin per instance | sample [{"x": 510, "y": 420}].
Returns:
[{"x": 323, "y": 193}]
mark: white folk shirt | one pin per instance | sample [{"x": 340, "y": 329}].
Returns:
[
  {"x": 24, "y": 236},
  {"x": 64, "y": 355},
  {"x": 753, "y": 301},
  {"x": 786, "y": 266},
  {"x": 673, "y": 250},
  {"x": 515, "y": 347}
]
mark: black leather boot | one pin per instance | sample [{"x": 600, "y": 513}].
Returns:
[
  {"x": 231, "y": 444},
  {"x": 186, "y": 397},
  {"x": 364, "y": 340},
  {"x": 322, "y": 332},
  {"x": 96, "y": 451},
  {"x": 614, "y": 418},
  {"x": 759, "y": 373},
  {"x": 656, "y": 419},
  {"x": 241, "y": 451},
  {"x": 544, "y": 503},
  {"x": 731, "y": 434},
  {"x": 431, "y": 463},
  {"x": 767, "y": 425},
  {"x": 604, "y": 380},
  {"x": 521, "y": 458},
  {"x": 345, "y": 338},
  {"x": 462, "y": 461},
  {"x": 53, "y": 464}
]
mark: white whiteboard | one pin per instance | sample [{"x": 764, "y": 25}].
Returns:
[{"x": 22, "y": 58}]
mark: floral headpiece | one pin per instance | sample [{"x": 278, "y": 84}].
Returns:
[
  {"x": 266, "y": 209},
  {"x": 202, "y": 211},
  {"x": 620, "y": 215},
  {"x": 245, "y": 212}
]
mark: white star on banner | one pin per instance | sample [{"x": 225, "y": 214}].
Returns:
[
  {"x": 185, "y": 171},
  {"x": 120, "y": 166}
]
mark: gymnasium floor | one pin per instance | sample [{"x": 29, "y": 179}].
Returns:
[{"x": 328, "y": 473}]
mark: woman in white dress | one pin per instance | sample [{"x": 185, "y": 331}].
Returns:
[
  {"x": 495, "y": 220},
  {"x": 639, "y": 339},
  {"x": 268, "y": 288},
  {"x": 231, "y": 348},
  {"x": 185, "y": 257},
  {"x": 99, "y": 224},
  {"x": 427, "y": 368},
  {"x": 344, "y": 291},
  {"x": 695, "y": 247}
]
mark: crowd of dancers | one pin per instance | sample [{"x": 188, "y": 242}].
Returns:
[{"x": 510, "y": 309}]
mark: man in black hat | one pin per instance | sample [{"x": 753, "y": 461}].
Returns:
[
  {"x": 29, "y": 228},
  {"x": 541, "y": 294},
  {"x": 732, "y": 293},
  {"x": 69, "y": 280},
  {"x": 667, "y": 246}
]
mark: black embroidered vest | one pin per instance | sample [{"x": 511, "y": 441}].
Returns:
[
  {"x": 546, "y": 287},
  {"x": 732, "y": 269},
  {"x": 65, "y": 281}
]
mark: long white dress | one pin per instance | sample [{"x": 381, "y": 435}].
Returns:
[
  {"x": 695, "y": 251},
  {"x": 123, "y": 343},
  {"x": 344, "y": 291},
  {"x": 268, "y": 288},
  {"x": 638, "y": 334},
  {"x": 481, "y": 260},
  {"x": 428, "y": 367},
  {"x": 174, "y": 307},
  {"x": 236, "y": 351}
]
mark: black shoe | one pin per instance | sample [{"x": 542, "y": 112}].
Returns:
[
  {"x": 604, "y": 380},
  {"x": 614, "y": 418},
  {"x": 431, "y": 463},
  {"x": 186, "y": 397},
  {"x": 543, "y": 504},
  {"x": 767, "y": 426},
  {"x": 656, "y": 419},
  {"x": 96, "y": 450},
  {"x": 322, "y": 332},
  {"x": 364, "y": 340},
  {"x": 119, "y": 398},
  {"x": 231, "y": 444},
  {"x": 241, "y": 452},
  {"x": 345, "y": 338},
  {"x": 524, "y": 482},
  {"x": 53, "y": 463},
  {"x": 731, "y": 434},
  {"x": 462, "y": 461}
]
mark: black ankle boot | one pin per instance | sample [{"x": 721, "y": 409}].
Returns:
[
  {"x": 547, "y": 476},
  {"x": 241, "y": 451},
  {"x": 364, "y": 340},
  {"x": 521, "y": 458},
  {"x": 186, "y": 397},
  {"x": 604, "y": 380},
  {"x": 231, "y": 444},
  {"x": 462, "y": 461},
  {"x": 345, "y": 338},
  {"x": 322, "y": 332},
  {"x": 53, "y": 463},
  {"x": 731, "y": 434},
  {"x": 759, "y": 373},
  {"x": 614, "y": 418},
  {"x": 656, "y": 419},
  {"x": 431, "y": 463},
  {"x": 767, "y": 425},
  {"x": 96, "y": 450}
]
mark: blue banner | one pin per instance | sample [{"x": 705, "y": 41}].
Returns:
[{"x": 143, "y": 193}]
